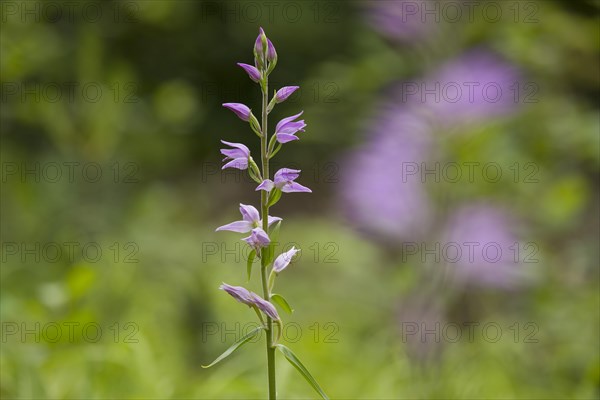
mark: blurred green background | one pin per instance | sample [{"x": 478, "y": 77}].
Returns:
[{"x": 111, "y": 190}]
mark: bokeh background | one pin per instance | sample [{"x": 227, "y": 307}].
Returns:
[{"x": 432, "y": 127}]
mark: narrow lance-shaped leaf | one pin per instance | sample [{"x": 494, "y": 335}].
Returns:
[
  {"x": 291, "y": 357},
  {"x": 235, "y": 346},
  {"x": 251, "y": 257},
  {"x": 282, "y": 302}
]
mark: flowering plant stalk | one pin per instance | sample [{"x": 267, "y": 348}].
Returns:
[{"x": 262, "y": 227}]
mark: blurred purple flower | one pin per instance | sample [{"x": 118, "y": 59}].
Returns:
[
  {"x": 381, "y": 192},
  {"x": 286, "y": 129},
  {"x": 285, "y": 92},
  {"x": 472, "y": 88},
  {"x": 401, "y": 20},
  {"x": 487, "y": 247},
  {"x": 377, "y": 190},
  {"x": 250, "y": 220},
  {"x": 241, "y": 110},
  {"x": 252, "y": 72},
  {"x": 284, "y": 181}
]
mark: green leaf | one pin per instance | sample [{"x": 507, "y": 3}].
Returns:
[
  {"x": 235, "y": 346},
  {"x": 251, "y": 257},
  {"x": 269, "y": 251},
  {"x": 274, "y": 232},
  {"x": 274, "y": 197},
  {"x": 279, "y": 299},
  {"x": 291, "y": 357}
]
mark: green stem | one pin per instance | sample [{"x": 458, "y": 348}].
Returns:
[{"x": 264, "y": 203}]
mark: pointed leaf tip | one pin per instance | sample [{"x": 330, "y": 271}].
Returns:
[
  {"x": 291, "y": 357},
  {"x": 235, "y": 346},
  {"x": 282, "y": 302},
  {"x": 251, "y": 257}
]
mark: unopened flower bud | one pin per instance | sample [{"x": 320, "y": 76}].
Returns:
[
  {"x": 239, "y": 293},
  {"x": 252, "y": 71},
  {"x": 260, "y": 45},
  {"x": 241, "y": 110},
  {"x": 271, "y": 53},
  {"x": 265, "y": 306},
  {"x": 285, "y": 92}
]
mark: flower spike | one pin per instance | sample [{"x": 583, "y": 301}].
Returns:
[{"x": 262, "y": 229}]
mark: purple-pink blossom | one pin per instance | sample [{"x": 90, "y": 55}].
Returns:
[
  {"x": 260, "y": 52},
  {"x": 286, "y": 129},
  {"x": 284, "y": 181},
  {"x": 271, "y": 53},
  {"x": 265, "y": 306},
  {"x": 285, "y": 92},
  {"x": 249, "y": 298},
  {"x": 284, "y": 259},
  {"x": 258, "y": 239},
  {"x": 239, "y": 293},
  {"x": 258, "y": 46},
  {"x": 241, "y": 110},
  {"x": 238, "y": 156},
  {"x": 250, "y": 220},
  {"x": 252, "y": 71}
]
